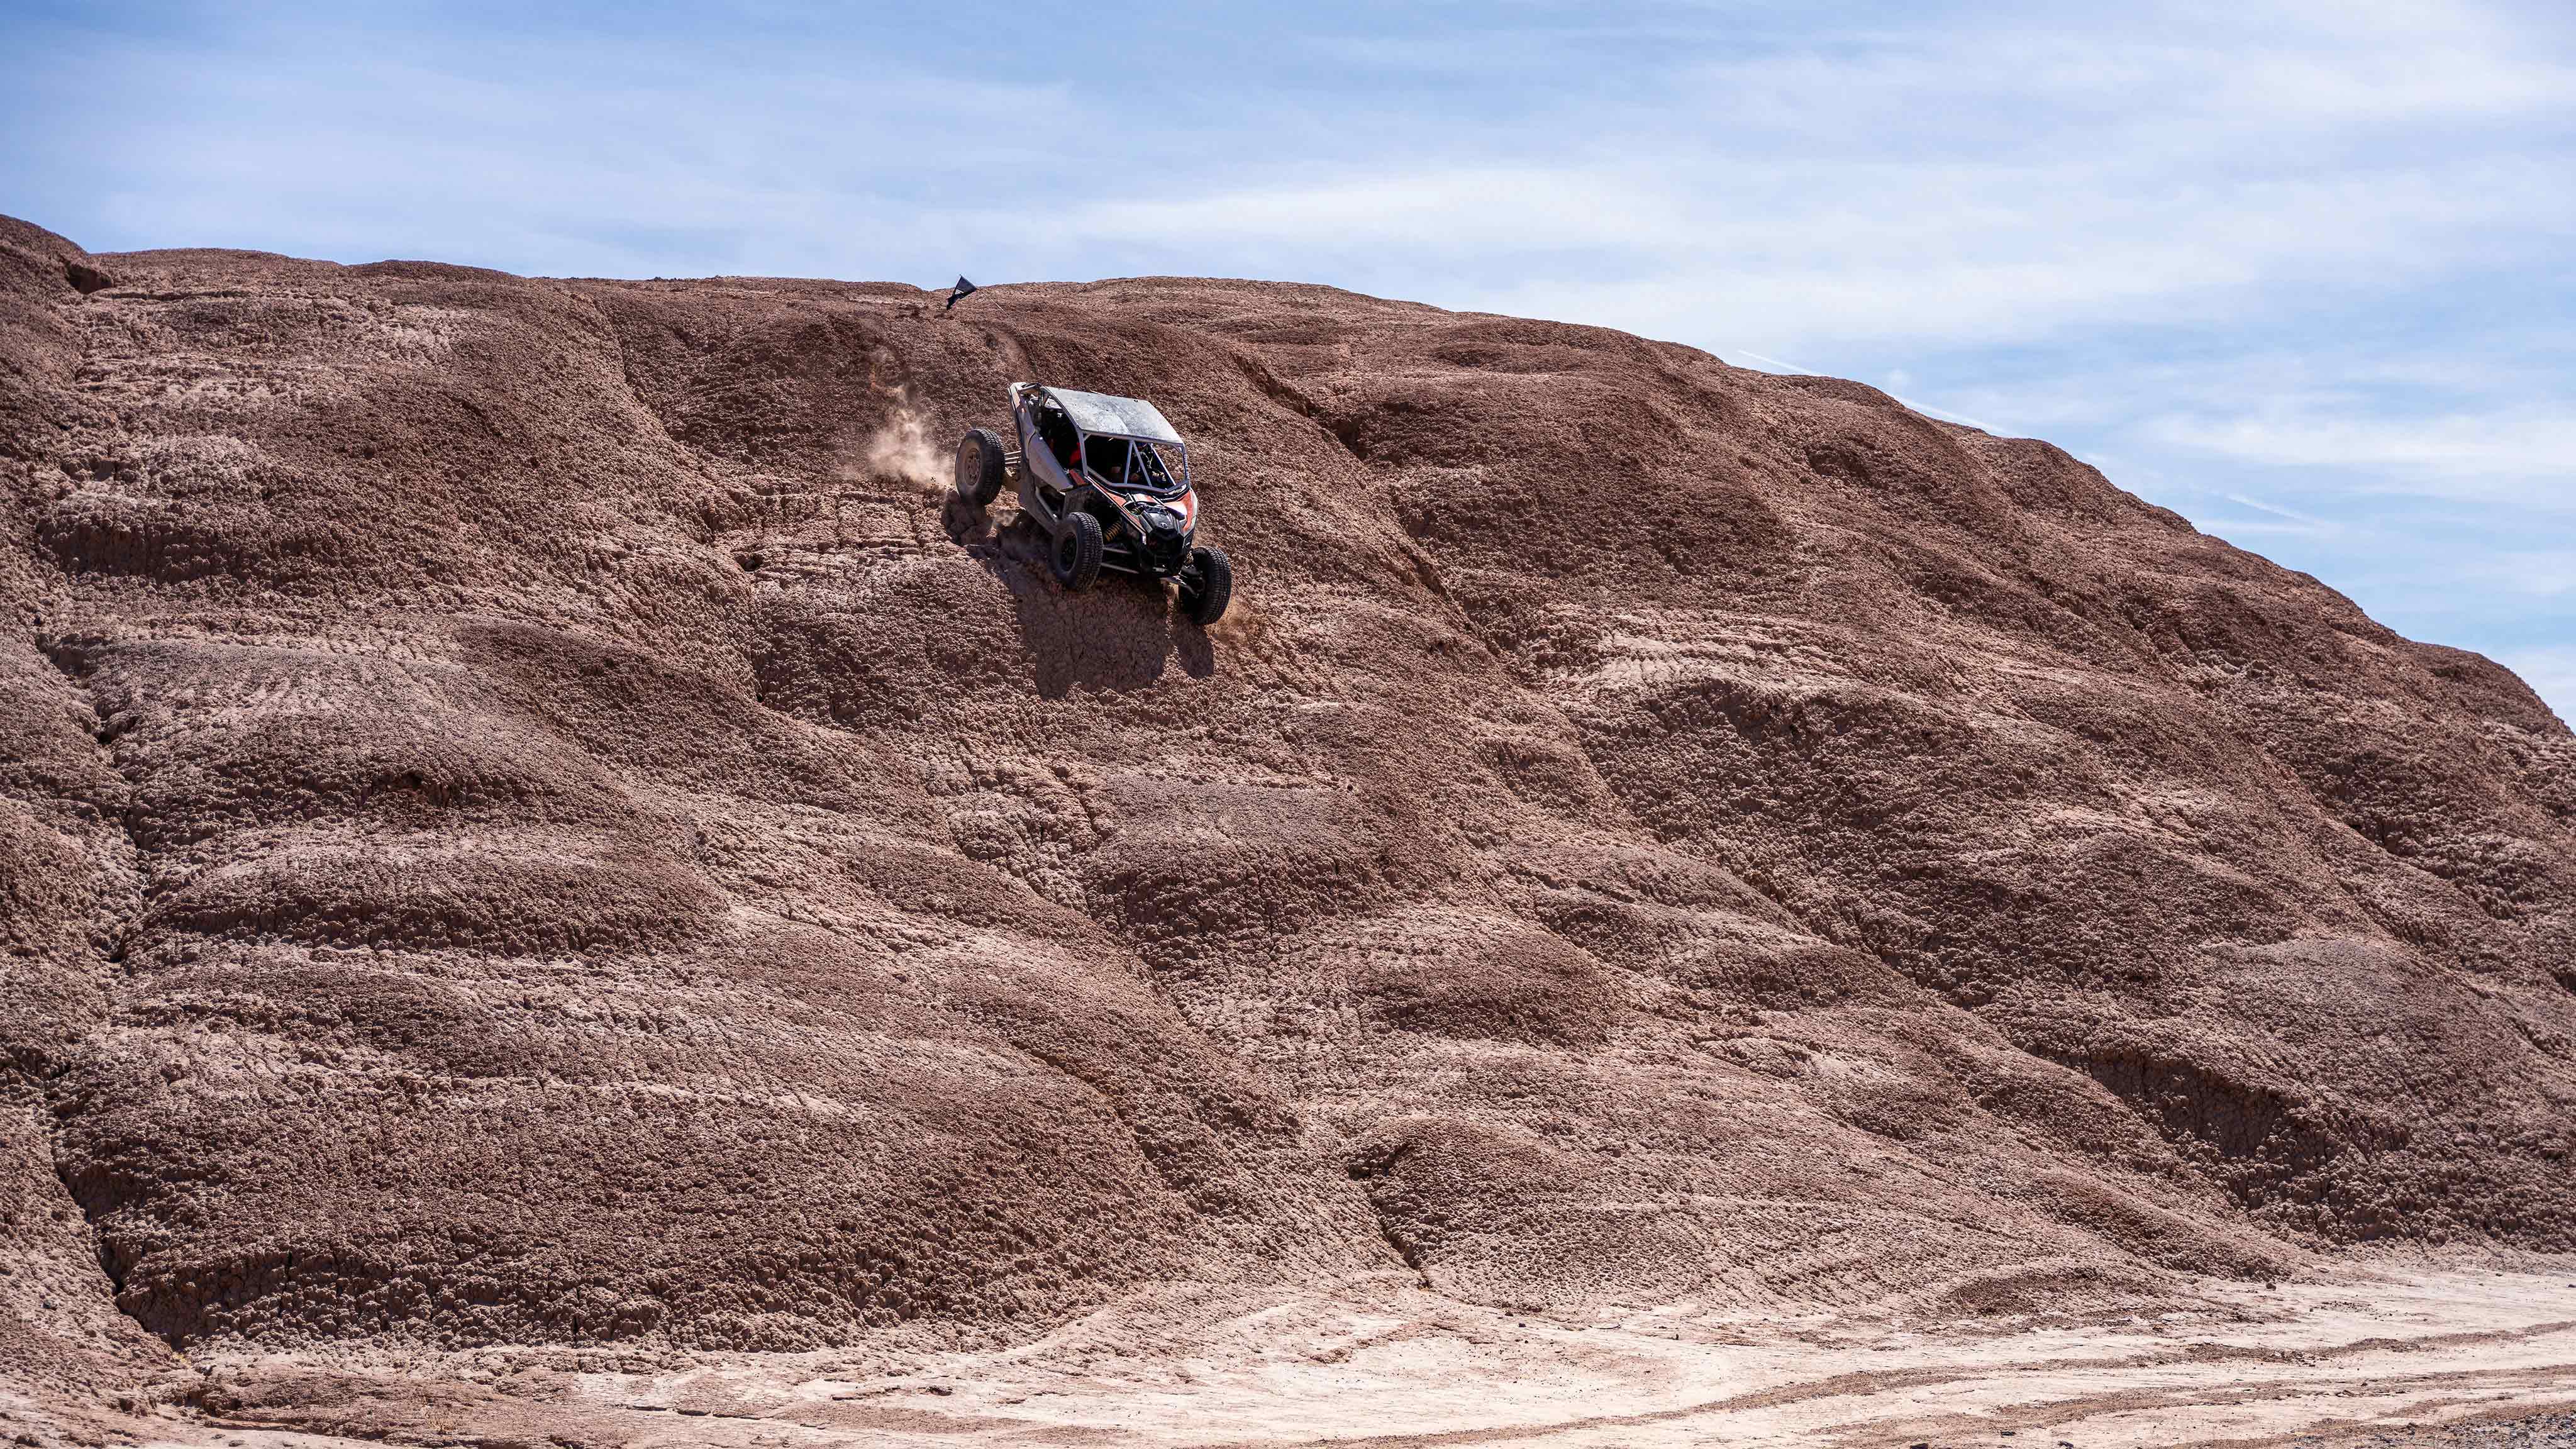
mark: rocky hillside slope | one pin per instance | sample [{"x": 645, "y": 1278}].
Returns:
[{"x": 523, "y": 818}]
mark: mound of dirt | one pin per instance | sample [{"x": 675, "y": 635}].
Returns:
[{"x": 524, "y": 818}]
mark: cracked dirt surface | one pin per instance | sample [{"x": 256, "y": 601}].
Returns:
[{"x": 527, "y": 827}]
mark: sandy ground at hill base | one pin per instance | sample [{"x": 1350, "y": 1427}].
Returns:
[{"x": 2421, "y": 1356}]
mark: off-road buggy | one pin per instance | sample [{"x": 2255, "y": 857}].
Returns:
[{"x": 1108, "y": 480}]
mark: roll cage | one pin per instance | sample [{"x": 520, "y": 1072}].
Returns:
[
  {"x": 1106, "y": 482},
  {"x": 1123, "y": 443}
]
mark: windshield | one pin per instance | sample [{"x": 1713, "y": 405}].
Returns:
[{"x": 1136, "y": 466}]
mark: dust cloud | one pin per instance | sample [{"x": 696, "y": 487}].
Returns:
[{"x": 901, "y": 451}]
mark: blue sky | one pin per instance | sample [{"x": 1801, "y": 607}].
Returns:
[{"x": 2297, "y": 270}]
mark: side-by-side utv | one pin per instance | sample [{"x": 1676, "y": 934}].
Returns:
[{"x": 1108, "y": 479}]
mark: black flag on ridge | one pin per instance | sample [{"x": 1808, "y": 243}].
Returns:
[{"x": 963, "y": 287}]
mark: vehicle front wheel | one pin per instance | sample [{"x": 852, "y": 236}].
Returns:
[
  {"x": 1207, "y": 585},
  {"x": 1076, "y": 560},
  {"x": 980, "y": 466}
]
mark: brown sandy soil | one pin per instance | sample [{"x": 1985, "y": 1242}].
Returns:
[{"x": 527, "y": 828}]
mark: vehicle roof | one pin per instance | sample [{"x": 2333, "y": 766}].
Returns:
[{"x": 1101, "y": 415}]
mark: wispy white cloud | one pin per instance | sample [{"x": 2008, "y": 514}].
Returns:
[
  {"x": 2540, "y": 573},
  {"x": 2521, "y": 454},
  {"x": 2277, "y": 511}
]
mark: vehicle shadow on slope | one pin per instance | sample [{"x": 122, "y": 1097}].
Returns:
[{"x": 1124, "y": 634}]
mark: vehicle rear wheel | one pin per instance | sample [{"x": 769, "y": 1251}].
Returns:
[
  {"x": 1207, "y": 585},
  {"x": 980, "y": 466},
  {"x": 1076, "y": 560}
]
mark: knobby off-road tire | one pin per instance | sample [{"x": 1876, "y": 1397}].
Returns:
[
  {"x": 1076, "y": 556},
  {"x": 1207, "y": 585},
  {"x": 980, "y": 466}
]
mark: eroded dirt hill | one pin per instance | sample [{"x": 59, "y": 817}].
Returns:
[{"x": 524, "y": 819}]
